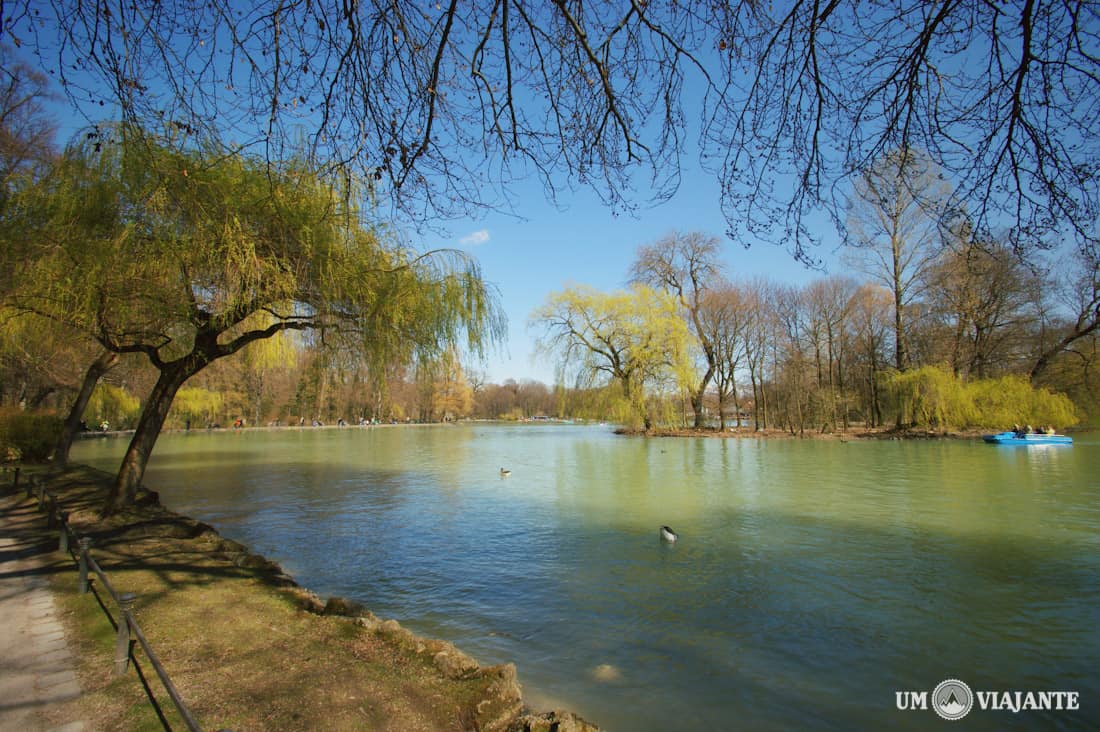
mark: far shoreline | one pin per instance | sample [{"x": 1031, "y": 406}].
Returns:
[
  {"x": 838, "y": 435},
  {"x": 852, "y": 433}
]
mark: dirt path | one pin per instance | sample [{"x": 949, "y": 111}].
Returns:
[{"x": 37, "y": 675}]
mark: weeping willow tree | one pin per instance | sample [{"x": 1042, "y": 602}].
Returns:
[
  {"x": 194, "y": 403},
  {"x": 935, "y": 397},
  {"x": 187, "y": 257},
  {"x": 254, "y": 368},
  {"x": 635, "y": 338},
  {"x": 112, "y": 407}
]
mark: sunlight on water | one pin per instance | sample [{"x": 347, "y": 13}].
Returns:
[{"x": 811, "y": 579}]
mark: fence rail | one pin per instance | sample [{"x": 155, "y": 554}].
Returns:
[{"x": 128, "y": 630}]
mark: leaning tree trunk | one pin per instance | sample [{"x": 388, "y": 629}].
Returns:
[
  {"x": 124, "y": 491},
  {"x": 95, "y": 372}
]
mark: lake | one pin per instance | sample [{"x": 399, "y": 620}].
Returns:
[{"x": 812, "y": 580}]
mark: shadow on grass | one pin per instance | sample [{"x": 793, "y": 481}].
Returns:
[{"x": 176, "y": 549}]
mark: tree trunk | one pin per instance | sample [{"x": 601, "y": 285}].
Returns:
[
  {"x": 736, "y": 410},
  {"x": 697, "y": 397},
  {"x": 876, "y": 400},
  {"x": 95, "y": 372},
  {"x": 1081, "y": 329},
  {"x": 126, "y": 485},
  {"x": 40, "y": 396},
  {"x": 756, "y": 397},
  {"x": 697, "y": 407},
  {"x": 721, "y": 407}
]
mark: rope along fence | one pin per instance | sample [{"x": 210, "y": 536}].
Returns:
[{"x": 128, "y": 630}]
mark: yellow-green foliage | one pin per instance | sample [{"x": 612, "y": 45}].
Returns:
[
  {"x": 929, "y": 397},
  {"x": 515, "y": 414},
  {"x": 598, "y": 403},
  {"x": 667, "y": 411},
  {"x": 1013, "y": 400},
  {"x": 201, "y": 405},
  {"x": 636, "y": 338},
  {"x": 118, "y": 407},
  {"x": 935, "y": 397},
  {"x": 28, "y": 435}
]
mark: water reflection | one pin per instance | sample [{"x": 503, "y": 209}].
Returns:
[{"x": 810, "y": 581}]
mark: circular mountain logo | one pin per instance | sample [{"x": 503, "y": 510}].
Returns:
[{"x": 952, "y": 699}]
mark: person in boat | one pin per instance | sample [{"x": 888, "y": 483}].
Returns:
[
  {"x": 1049, "y": 430},
  {"x": 1017, "y": 430}
]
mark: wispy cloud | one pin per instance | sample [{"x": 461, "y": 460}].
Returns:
[{"x": 474, "y": 239}]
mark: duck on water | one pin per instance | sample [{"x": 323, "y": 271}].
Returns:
[{"x": 667, "y": 534}]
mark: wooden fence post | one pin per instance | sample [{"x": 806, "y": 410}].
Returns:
[
  {"x": 63, "y": 537},
  {"x": 85, "y": 545},
  {"x": 15, "y": 481},
  {"x": 122, "y": 641}
]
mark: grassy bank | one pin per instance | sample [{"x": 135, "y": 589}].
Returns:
[{"x": 250, "y": 650}]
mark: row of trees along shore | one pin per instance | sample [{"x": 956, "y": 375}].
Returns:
[
  {"x": 683, "y": 346},
  {"x": 942, "y": 333},
  {"x": 227, "y": 244}
]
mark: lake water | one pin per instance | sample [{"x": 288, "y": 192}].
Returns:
[{"x": 811, "y": 581}]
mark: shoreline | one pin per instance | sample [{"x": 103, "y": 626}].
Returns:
[
  {"x": 841, "y": 435},
  {"x": 338, "y": 647}
]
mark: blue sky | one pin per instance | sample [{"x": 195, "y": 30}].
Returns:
[
  {"x": 585, "y": 243},
  {"x": 543, "y": 248},
  {"x": 540, "y": 247}
]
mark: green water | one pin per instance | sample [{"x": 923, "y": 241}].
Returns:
[{"x": 811, "y": 581}]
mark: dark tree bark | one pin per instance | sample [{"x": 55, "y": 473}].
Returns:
[
  {"x": 106, "y": 361},
  {"x": 128, "y": 482}
]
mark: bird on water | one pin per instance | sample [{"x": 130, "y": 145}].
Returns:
[
  {"x": 505, "y": 472},
  {"x": 667, "y": 534}
]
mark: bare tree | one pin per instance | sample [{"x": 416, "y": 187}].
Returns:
[
  {"x": 1082, "y": 295},
  {"x": 26, "y": 129},
  {"x": 442, "y": 105},
  {"x": 828, "y": 301},
  {"x": 759, "y": 336},
  {"x": 439, "y": 106},
  {"x": 687, "y": 266},
  {"x": 724, "y": 317},
  {"x": 870, "y": 322},
  {"x": 1002, "y": 96},
  {"x": 893, "y": 230},
  {"x": 984, "y": 294}
]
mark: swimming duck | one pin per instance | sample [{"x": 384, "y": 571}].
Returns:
[
  {"x": 505, "y": 472},
  {"x": 667, "y": 534}
]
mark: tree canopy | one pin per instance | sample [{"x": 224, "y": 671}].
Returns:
[
  {"x": 441, "y": 106},
  {"x": 636, "y": 338},
  {"x": 187, "y": 258}
]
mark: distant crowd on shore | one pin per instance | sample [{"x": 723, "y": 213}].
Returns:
[{"x": 241, "y": 423}]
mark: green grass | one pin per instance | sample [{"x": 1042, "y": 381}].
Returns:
[{"x": 246, "y": 648}]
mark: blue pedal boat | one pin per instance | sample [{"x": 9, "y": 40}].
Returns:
[{"x": 1031, "y": 438}]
